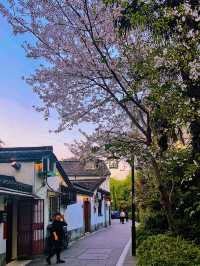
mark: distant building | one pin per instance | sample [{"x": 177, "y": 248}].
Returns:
[
  {"x": 94, "y": 176},
  {"x": 119, "y": 169}
]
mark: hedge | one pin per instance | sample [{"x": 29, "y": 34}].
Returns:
[{"x": 165, "y": 250}]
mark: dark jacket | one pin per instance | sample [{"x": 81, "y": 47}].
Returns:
[{"x": 57, "y": 227}]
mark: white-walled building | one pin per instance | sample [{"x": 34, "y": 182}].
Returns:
[
  {"x": 94, "y": 177},
  {"x": 34, "y": 185},
  {"x": 27, "y": 200}
]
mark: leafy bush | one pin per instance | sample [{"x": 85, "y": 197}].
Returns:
[
  {"x": 156, "y": 223},
  {"x": 165, "y": 250},
  {"x": 141, "y": 235}
]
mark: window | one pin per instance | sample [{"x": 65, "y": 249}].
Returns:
[
  {"x": 113, "y": 164},
  {"x": 51, "y": 165},
  {"x": 54, "y": 206},
  {"x": 100, "y": 208},
  {"x": 68, "y": 197},
  {"x": 45, "y": 164}
]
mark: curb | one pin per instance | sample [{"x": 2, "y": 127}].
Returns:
[{"x": 124, "y": 254}]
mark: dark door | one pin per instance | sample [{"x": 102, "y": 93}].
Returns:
[
  {"x": 8, "y": 228},
  {"x": 30, "y": 228},
  {"x": 87, "y": 215},
  {"x": 24, "y": 237}
]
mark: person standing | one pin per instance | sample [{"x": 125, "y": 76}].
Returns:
[
  {"x": 56, "y": 236},
  {"x": 122, "y": 216}
]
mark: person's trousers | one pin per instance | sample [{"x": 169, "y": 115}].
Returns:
[{"x": 55, "y": 249}]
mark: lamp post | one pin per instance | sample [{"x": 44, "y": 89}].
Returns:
[
  {"x": 133, "y": 207},
  {"x": 108, "y": 147}
]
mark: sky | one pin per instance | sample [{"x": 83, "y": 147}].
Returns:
[{"x": 20, "y": 124}]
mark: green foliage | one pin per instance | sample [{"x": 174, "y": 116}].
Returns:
[
  {"x": 141, "y": 235},
  {"x": 156, "y": 223},
  {"x": 178, "y": 176},
  {"x": 164, "y": 250},
  {"x": 121, "y": 193}
]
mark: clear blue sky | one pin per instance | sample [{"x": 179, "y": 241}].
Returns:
[{"x": 20, "y": 124}]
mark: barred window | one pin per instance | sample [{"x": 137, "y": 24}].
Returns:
[{"x": 54, "y": 206}]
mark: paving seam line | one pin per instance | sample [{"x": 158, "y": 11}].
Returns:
[{"x": 124, "y": 254}]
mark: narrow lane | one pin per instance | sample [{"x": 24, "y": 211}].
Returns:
[{"x": 102, "y": 248}]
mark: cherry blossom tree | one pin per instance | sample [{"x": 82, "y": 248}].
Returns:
[
  {"x": 174, "y": 27},
  {"x": 86, "y": 72},
  {"x": 92, "y": 73}
]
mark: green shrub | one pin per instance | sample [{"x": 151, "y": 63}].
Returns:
[
  {"x": 156, "y": 223},
  {"x": 165, "y": 250},
  {"x": 141, "y": 235}
]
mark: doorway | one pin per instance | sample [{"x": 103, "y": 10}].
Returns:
[
  {"x": 24, "y": 236},
  {"x": 87, "y": 215},
  {"x": 30, "y": 239},
  {"x": 8, "y": 229}
]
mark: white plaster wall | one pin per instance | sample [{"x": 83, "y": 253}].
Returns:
[
  {"x": 54, "y": 182},
  {"x": 41, "y": 192},
  {"x": 95, "y": 219},
  {"x": 2, "y": 241},
  {"x": 25, "y": 174},
  {"x": 74, "y": 215},
  {"x": 106, "y": 184},
  {"x": 94, "y": 215}
]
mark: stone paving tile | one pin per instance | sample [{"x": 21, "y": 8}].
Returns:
[
  {"x": 112, "y": 260},
  {"x": 18, "y": 263},
  {"x": 77, "y": 251},
  {"x": 130, "y": 260},
  {"x": 100, "y": 249},
  {"x": 96, "y": 263}
]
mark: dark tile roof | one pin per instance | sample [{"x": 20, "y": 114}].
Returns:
[
  {"x": 63, "y": 174},
  {"x": 78, "y": 168},
  {"x": 103, "y": 191},
  {"x": 26, "y": 153},
  {"x": 81, "y": 190},
  {"x": 31, "y": 154},
  {"x": 65, "y": 168},
  {"x": 11, "y": 183},
  {"x": 89, "y": 184}
]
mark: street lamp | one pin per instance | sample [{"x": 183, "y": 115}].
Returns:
[
  {"x": 131, "y": 162},
  {"x": 133, "y": 207}
]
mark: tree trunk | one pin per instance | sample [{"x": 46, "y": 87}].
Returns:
[
  {"x": 164, "y": 197},
  {"x": 195, "y": 132}
]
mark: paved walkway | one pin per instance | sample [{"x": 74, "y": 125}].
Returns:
[
  {"x": 130, "y": 260},
  {"x": 102, "y": 248}
]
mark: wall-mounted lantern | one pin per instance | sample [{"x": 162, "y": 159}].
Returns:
[{"x": 16, "y": 165}]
